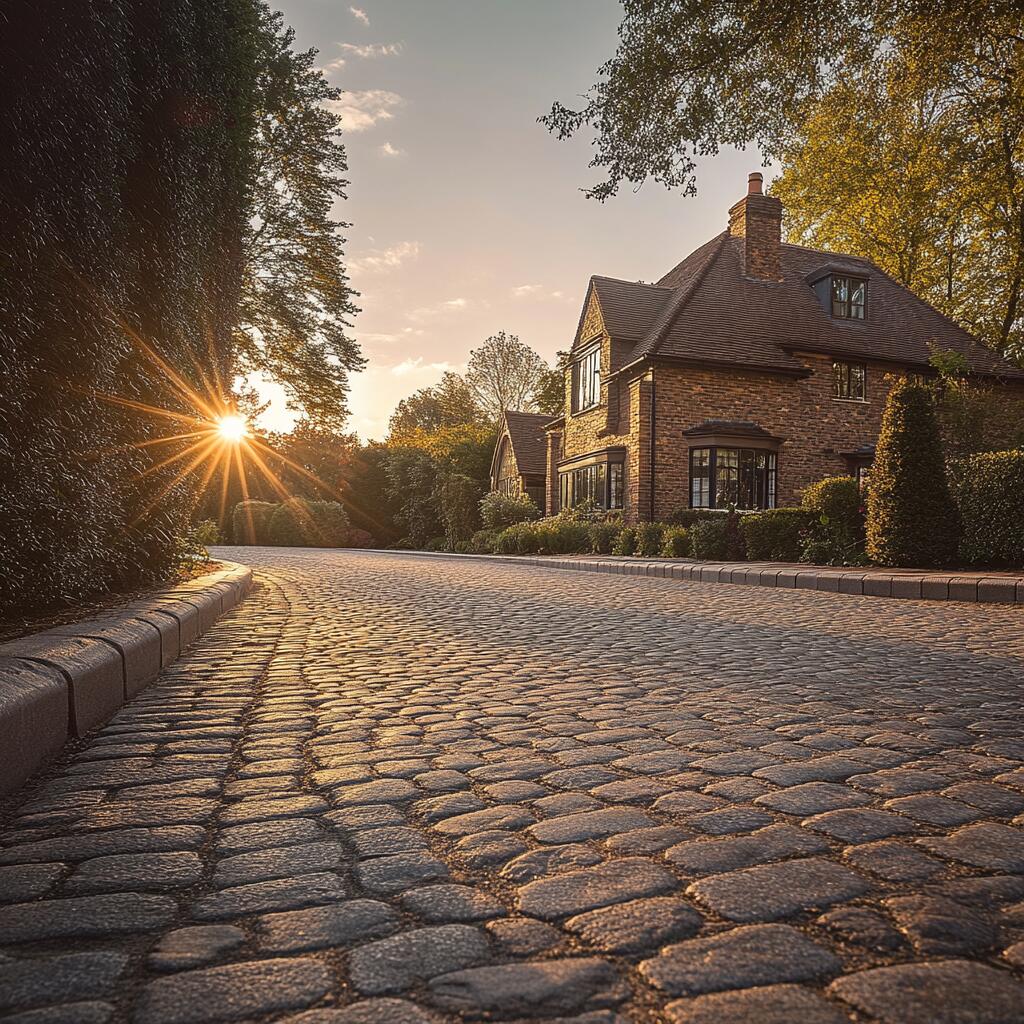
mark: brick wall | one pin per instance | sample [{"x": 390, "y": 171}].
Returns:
[
  {"x": 816, "y": 427},
  {"x": 554, "y": 439},
  {"x": 758, "y": 220},
  {"x": 609, "y": 424}
]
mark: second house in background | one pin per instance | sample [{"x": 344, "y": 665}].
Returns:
[{"x": 750, "y": 370}]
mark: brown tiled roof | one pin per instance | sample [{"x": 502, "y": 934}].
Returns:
[
  {"x": 529, "y": 444},
  {"x": 629, "y": 308},
  {"x": 706, "y": 310}
]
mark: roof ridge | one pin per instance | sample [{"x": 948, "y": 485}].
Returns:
[
  {"x": 521, "y": 412},
  {"x": 657, "y": 333},
  {"x": 632, "y": 284}
]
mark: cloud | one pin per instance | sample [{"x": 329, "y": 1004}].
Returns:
[
  {"x": 416, "y": 366},
  {"x": 378, "y": 261},
  {"x": 359, "y": 15},
  {"x": 371, "y": 50},
  {"x": 335, "y": 65},
  {"x": 362, "y": 110},
  {"x": 388, "y": 150},
  {"x": 377, "y": 338},
  {"x": 535, "y": 291},
  {"x": 428, "y": 312}
]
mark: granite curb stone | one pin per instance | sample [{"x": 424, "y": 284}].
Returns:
[
  {"x": 69, "y": 680},
  {"x": 903, "y": 584}
]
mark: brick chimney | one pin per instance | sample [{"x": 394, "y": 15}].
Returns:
[{"x": 757, "y": 219}]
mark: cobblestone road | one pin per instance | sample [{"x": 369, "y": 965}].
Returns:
[{"x": 403, "y": 790}]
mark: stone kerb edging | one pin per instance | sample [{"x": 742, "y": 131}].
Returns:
[
  {"x": 993, "y": 587},
  {"x": 66, "y": 681}
]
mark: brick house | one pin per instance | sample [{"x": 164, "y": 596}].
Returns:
[
  {"x": 520, "y": 456},
  {"x": 750, "y": 370}
]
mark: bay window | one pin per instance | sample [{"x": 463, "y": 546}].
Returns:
[
  {"x": 733, "y": 464},
  {"x": 744, "y": 478},
  {"x": 597, "y": 478}
]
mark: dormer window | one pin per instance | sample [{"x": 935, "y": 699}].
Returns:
[
  {"x": 586, "y": 380},
  {"x": 849, "y": 295}
]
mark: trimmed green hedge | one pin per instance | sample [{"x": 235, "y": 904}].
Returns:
[
  {"x": 835, "y": 535},
  {"x": 625, "y": 543},
  {"x": 777, "y": 534},
  {"x": 911, "y": 518},
  {"x": 675, "y": 542},
  {"x": 499, "y": 511},
  {"x": 603, "y": 537},
  {"x": 250, "y": 522},
  {"x": 989, "y": 492},
  {"x": 296, "y": 523},
  {"x": 649, "y": 538}
]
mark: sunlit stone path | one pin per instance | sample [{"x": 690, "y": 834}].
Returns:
[{"x": 403, "y": 789}]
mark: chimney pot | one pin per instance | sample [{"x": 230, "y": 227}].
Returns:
[{"x": 757, "y": 219}]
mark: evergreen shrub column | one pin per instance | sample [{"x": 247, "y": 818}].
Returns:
[{"x": 911, "y": 518}]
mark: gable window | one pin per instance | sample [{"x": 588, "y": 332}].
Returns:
[
  {"x": 849, "y": 381},
  {"x": 586, "y": 380},
  {"x": 849, "y": 296}
]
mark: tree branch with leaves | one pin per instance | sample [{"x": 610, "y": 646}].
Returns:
[{"x": 297, "y": 304}]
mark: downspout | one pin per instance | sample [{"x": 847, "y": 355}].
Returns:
[{"x": 654, "y": 420}]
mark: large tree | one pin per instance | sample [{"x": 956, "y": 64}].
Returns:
[
  {"x": 690, "y": 77},
  {"x": 448, "y": 403},
  {"x": 549, "y": 396},
  {"x": 503, "y": 373},
  {"x": 297, "y": 304}
]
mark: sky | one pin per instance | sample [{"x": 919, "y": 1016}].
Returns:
[{"x": 467, "y": 216}]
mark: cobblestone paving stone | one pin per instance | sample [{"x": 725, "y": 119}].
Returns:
[{"x": 415, "y": 790}]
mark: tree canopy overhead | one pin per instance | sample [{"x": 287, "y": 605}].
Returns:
[{"x": 899, "y": 123}]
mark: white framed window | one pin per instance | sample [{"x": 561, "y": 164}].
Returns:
[{"x": 586, "y": 380}]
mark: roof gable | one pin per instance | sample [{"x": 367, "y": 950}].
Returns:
[
  {"x": 623, "y": 310},
  {"x": 525, "y": 433}
]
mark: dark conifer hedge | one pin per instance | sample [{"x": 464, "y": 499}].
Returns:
[
  {"x": 124, "y": 174},
  {"x": 911, "y": 518},
  {"x": 989, "y": 492}
]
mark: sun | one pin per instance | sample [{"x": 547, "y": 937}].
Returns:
[{"x": 232, "y": 428}]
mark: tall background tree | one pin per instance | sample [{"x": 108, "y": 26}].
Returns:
[
  {"x": 503, "y": 373},
  {"x": 885, "y": 97},
  {"x": 296, "y": 304},
  {"x": 448, "y": 403}
]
